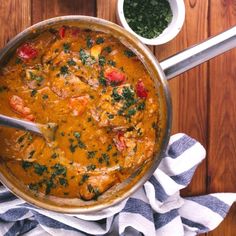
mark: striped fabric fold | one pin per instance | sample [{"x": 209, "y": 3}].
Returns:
[{"x": 155, "y": 209}]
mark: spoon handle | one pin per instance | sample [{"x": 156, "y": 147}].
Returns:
[{"x": 19, "y": 124}]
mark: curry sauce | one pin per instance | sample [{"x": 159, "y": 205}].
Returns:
[{"x": 103, "y": 100}]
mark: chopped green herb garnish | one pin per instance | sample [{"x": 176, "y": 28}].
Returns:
[
  {"x": 54, "y": 155},
  {"x": 63, "y": 181},
  {"x": 102, "y": 60},
  {"x": 71, "y": 62},
  {"x": 18, "y": 61},
  {"x": 39, "y": 169},
  {"x": 99, "y": 40},
  {"x": 91, "y": 167},
  {"x": 59, "y": 169},
  {"x": 110, "y": 116},
  {"x": 104, "y": 91},
  {"x": 35, "y": 77},
  {"x": 89, "y": 119},
  {"x": 62, "y": 133},
  {"x": 21, "y": 138},
  {"x": 33, "y": 92},
  {"x": 117, "y": 97},
  {"x": 30, "y": 138},
  {"x": 81, "y": 144},
  {"x": 112, "y": 63},
  {"x": 141, "y": 106},
  {"x": 93, "y": 190},
  {"x": 104, "y": 158},
  {"x": 31, "y": 154},
  {"x": 109, "y": 147},
  {"x": 45, "y": 96},
  {"x": 128, "y": 95},
  {"x": 147, "y": 18},
  {"x": 39, "y": 79},
  {"x": 83, "y": 179},
  {"x": 102, "y": 81},
  {"x": 83, "y": 56},
  {"x": 26, "y": 164},
  {"x": 73, "y": 147},
  {"x": 34, "y": 187},
  {"x": 107, "y": 49},
  {"x": 91, "y": 154},
  {"x": 131, "y": 112},
  {"x": 129, "y": 53},
  {"x": 49, "y": 184},
  {"x": 66, "y": 47},
  {"x": 121, "y": 111},
  {"x": 77, "y": 134},
  {"x": 71, "y": 140},
  {"x": 64, "y": 70},
  {"x": 89, "y": 42}
]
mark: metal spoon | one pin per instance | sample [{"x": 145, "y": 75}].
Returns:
[{"x": 45, "y": 130}]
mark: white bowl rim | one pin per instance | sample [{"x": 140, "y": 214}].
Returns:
[{"x": 164, "y": 37}]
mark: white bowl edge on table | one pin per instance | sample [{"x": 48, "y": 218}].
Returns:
[{"x": 178, "y": 11}]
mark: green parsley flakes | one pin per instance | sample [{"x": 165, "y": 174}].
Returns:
[
  {"x": 89, "y": 42},
  {"x": 148, "y": 18},
  {"x": 91, "y": 154},
  {"x": 64, "y": 70},
  {"x": 71, "y": 62},
  {"x": 39, "y": 169},
  {"x": 99, "y": 40},
  {"x": 66, "y": 47},
  {"x": 129, "y": 53}
]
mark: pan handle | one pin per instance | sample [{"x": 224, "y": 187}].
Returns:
[{"x": 198, "y": 54}]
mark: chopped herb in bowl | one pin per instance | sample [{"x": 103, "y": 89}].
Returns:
[{"x": 148, "y": 18}]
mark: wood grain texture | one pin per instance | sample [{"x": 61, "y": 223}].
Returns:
[
  {"x": 106, "y": 9},
  {"x": 44, "y": 9},
  {"x": 189, "y": 90},
  {"x": 222, "y": 114},
  {"x": 11, "y": 21}
]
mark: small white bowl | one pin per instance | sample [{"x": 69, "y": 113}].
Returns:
[{"x": 178, "y": 11}]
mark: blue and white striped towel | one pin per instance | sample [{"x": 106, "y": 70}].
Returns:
[{"x": 155, "y": 209}]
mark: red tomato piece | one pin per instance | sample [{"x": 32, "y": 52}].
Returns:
[
  {"x": 120, "y": 142},
  {"x": 141, "y": 90},
  {"x": 27, "y": 51},
  {"x": 114, "y": 77},
  {"x": 62, "y": 32}
]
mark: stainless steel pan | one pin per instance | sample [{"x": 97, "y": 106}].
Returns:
[{"x": 160, "y": 73}]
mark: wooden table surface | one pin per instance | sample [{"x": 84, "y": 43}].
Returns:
[{"x": 204, "y": 99}]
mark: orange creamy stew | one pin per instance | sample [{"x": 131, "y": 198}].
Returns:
[{"x": 103, "y": 100}]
